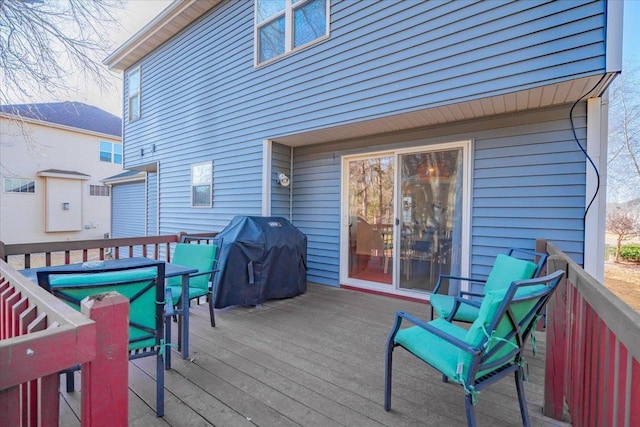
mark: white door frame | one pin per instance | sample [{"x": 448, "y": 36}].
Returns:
[{"x": 393, "y": 289}]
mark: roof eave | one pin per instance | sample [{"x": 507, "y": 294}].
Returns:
[{"x": 173, "y": 19}]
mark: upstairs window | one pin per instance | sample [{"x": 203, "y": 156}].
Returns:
[
  {"x": 110, "y": 152},
  {"x": 283, "y": 26},
  {"x": 201, "y": 185},
  {"x": 133, "y": 94},
  {"x": 19, "y": 185}
]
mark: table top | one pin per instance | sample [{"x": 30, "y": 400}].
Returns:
[{"x": 171, "y": 270}]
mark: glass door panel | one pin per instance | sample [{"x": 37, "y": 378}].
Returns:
[
  {"x": 371, "y": 198},
  {"x": 430, "y": 217}
]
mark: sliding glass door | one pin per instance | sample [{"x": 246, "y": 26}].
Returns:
[{"x": 404, "y": 214}]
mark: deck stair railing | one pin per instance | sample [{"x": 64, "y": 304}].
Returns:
[{"x": 593, "y": 350}]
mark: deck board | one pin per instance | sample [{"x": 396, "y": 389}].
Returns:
[{"x": 313, "y": 360}]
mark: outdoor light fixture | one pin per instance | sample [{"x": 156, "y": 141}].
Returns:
[
  {"x": 284, "y": 180},
  {"x": 65, "y": 206}
]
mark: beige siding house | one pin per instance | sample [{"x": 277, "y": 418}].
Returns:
[{"x": 53, "y": 158}]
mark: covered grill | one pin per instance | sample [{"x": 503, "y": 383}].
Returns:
[{"x": 261, "y": 258}]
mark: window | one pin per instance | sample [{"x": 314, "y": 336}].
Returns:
[
  {"x": 201, "y": 180},
  {"x": 133, "y": 95},
  {"x": 285, "y": 25},
  {"x": 19, "y": 185},
  {"x": 110, "y": 152},
  {"x": 99, "y": 190}
]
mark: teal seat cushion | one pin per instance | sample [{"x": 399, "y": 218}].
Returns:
[
  {"x": 443, "y": 304},
  {"x": 506, "y": 270},
  {"x": 432, "y": 349},
  {"x": 176, "y": 293}
]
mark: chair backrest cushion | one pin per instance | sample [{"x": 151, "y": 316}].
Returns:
[
  {"x": 194, "y": 256},
  {"x": 506, "y": 270},
  {"x": 520, "y": 305},
  {"x": 138, "y": 285}
]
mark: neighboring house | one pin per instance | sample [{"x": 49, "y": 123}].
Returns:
[
  {"x": 53, "y": 157},
  {"x": 417, "y": 137}
]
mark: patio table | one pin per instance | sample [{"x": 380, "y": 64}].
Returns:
[{"x": 171, "y": 270}]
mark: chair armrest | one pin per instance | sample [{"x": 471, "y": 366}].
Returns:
[
  {"x": 202, "y": 273},
  {"x": 447, "y": 276},
  {"x": 437, "y": 332},
  {"x": 472, "y": 294}
]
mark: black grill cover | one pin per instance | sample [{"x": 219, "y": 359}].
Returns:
[{"x": 262, "y": 258}]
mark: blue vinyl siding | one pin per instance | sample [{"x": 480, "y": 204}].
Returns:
[
  {"x": 202, "y": 99},
  {"x": 518, "y": 195}
]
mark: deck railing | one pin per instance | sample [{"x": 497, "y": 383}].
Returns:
[
  {"x": 593, "y": 351},
  {"x": 40, "y": 335}
]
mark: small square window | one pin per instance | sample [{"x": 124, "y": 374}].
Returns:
[
  {"x": 110, "y": 152},
  {"x": 201, "y": 184}
]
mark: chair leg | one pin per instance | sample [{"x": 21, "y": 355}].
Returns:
[
  {"x": 471, "y": 414},
  {"x": 211, "y": 314},
  {"x": 71, "y": 382},
  {"x": 387, "y": 377},
  {"x": 521, "y": 399},
  {"x": 159, "y": 385}
]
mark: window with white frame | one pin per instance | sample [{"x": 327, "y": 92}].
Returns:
[
  {"x": 283, "y": 26},
  {"x": 201, "y": 184},
  {"x": 133, "y": 94},
  {"x": 110, "y": 152},
  {"x": 19, "y": 185},
  {"x": 99, "y": 190}
]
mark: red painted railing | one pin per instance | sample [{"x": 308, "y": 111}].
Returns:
[
  {"x": 593, "y": 351},
  {"x": 40, "y": 335}
]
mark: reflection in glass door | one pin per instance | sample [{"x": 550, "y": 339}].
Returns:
[
  {"x": 370, "y": 210},
  {"x": 430, "y": 214}
]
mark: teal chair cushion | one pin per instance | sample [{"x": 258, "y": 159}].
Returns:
[
  {"x": 176, "y": 293},
  {"x": 480, "y": 327},
  {"x": 194, "y": 256},
  {"x": 507, "y": 269},
  {"x": 443, "y": 304},
  {"x": 136, "y": 285},
  {"x": 437, "y": 352}
]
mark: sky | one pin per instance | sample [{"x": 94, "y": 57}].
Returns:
[{"x": 138, "y": 13}]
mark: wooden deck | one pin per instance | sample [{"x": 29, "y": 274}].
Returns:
[{"x": 313, "y": 360}]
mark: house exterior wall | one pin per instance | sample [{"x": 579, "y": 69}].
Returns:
[
  {"x": 22, "y": 215},
  {"x": 202, "y": 99},
  {"x": 528, "y": 183}
]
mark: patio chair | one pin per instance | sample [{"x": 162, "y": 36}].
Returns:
[
  {"x": 490, "y": 350},
  {"x": 143, "y": 285},
  {"x": 204, "y": 257},
  {"x": 506, "y": 269}
]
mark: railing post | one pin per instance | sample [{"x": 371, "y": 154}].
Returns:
[
  {"x": 105, "y": 379},
  {"x": 555, "y": 359}
]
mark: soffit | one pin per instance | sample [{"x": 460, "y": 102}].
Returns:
[
  {"x": 539, "y": 97},
  {"x": 177, "y": 16}
]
